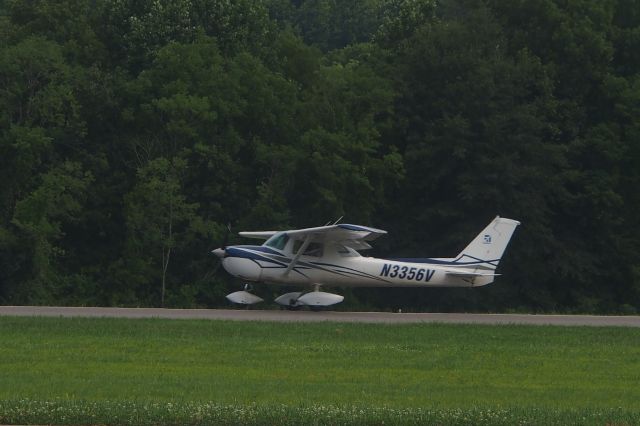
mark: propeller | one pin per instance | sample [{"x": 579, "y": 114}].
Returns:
[{"x": 220, "y": 252}]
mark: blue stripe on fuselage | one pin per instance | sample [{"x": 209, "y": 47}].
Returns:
[
  {"x": 455, "y": 262},
  {"x": 263, "y": 249},
  {"x": 244, "y": 252},
  {"x": 435, "y": 262},
  {"x": 248, "y": 252}
]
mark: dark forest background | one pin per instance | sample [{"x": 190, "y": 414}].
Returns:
[{"x": 132, "y": 132}]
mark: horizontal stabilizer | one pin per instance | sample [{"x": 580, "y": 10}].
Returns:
[{"x": 470, "y": 274}]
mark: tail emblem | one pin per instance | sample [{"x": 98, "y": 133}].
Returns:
[{"x": 487, "y": 239}]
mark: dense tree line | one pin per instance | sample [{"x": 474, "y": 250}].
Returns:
[{"x": 133, "y": 132}]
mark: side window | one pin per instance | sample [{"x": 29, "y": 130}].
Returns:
[
  {"x": 278, "y": 241},
  {"x": 343, "y": 250},
  {"x": 313, "y": 249},
  {"x": 346, "y": 251}
]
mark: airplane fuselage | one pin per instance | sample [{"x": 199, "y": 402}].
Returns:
[
  {"x": 329, "y": 256},
  {"x": 263, "y": 264}
]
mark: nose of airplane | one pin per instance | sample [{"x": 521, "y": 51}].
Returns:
[
  {"x": 242, "y": 267},
  {"x": 233, "y": 260}
]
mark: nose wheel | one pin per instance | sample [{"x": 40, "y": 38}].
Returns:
[{"x": 244, "y": 297}]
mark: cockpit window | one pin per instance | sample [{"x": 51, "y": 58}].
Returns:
[
  {"x": 346, "y": 251},
  {"x": 278, "y": 241},
  {"x": 313, "y": 249}
]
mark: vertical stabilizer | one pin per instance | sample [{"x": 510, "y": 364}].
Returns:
[{"x": 487, "y": 248}]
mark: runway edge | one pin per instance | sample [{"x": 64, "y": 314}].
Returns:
[{"x": 327, "y": 316}]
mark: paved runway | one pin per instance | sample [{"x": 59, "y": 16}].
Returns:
[{"x": 307, "y": 316}]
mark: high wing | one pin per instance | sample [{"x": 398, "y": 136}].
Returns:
[
  {"x": 261, "y": 235},
  {"x": 354, "y": 236}
]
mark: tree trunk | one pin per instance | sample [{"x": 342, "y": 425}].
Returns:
[{"x": 167, "y": 256}]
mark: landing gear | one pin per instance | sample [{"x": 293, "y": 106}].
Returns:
[
  {"x": 315, "y": 300},
  {"x": 289, "y": 300},
  {"x": 244, "y": 297},
  {"x": 320, "y": 299}
]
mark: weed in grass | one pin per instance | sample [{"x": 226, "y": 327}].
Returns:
[{"x": 168, "y": 413}]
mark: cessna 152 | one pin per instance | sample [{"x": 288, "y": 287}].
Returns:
[{"x": 328, "y": 255}]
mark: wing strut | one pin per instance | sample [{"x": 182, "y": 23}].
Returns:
[{"x": 301, "y": 250}]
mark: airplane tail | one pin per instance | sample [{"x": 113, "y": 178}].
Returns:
[{"x": 487, "y": 248}]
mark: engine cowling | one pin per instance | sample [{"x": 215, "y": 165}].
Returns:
[{"x": 243, "y": 268}]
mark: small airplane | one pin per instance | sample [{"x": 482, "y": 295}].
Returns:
[{"x": 328, "y": 256}]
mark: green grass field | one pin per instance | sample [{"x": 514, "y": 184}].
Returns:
[{"x": 185, "y": 371}]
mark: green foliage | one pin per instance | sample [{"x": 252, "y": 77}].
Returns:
[
  {"x": 158, "y": 216},
  {"x": 423, "y": 118},
  {"x": 135, "y": 31},
  {"x": 401, "y": 18},
  {"x": 37, "y": 221}
]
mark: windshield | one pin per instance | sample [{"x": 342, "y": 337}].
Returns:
[{"x": 278, "y": 241}]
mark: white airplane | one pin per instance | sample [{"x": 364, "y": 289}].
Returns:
[{"x": 328, "y": 256}]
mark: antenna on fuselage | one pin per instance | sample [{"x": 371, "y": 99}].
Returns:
[{"x": 334, "y": 223}]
